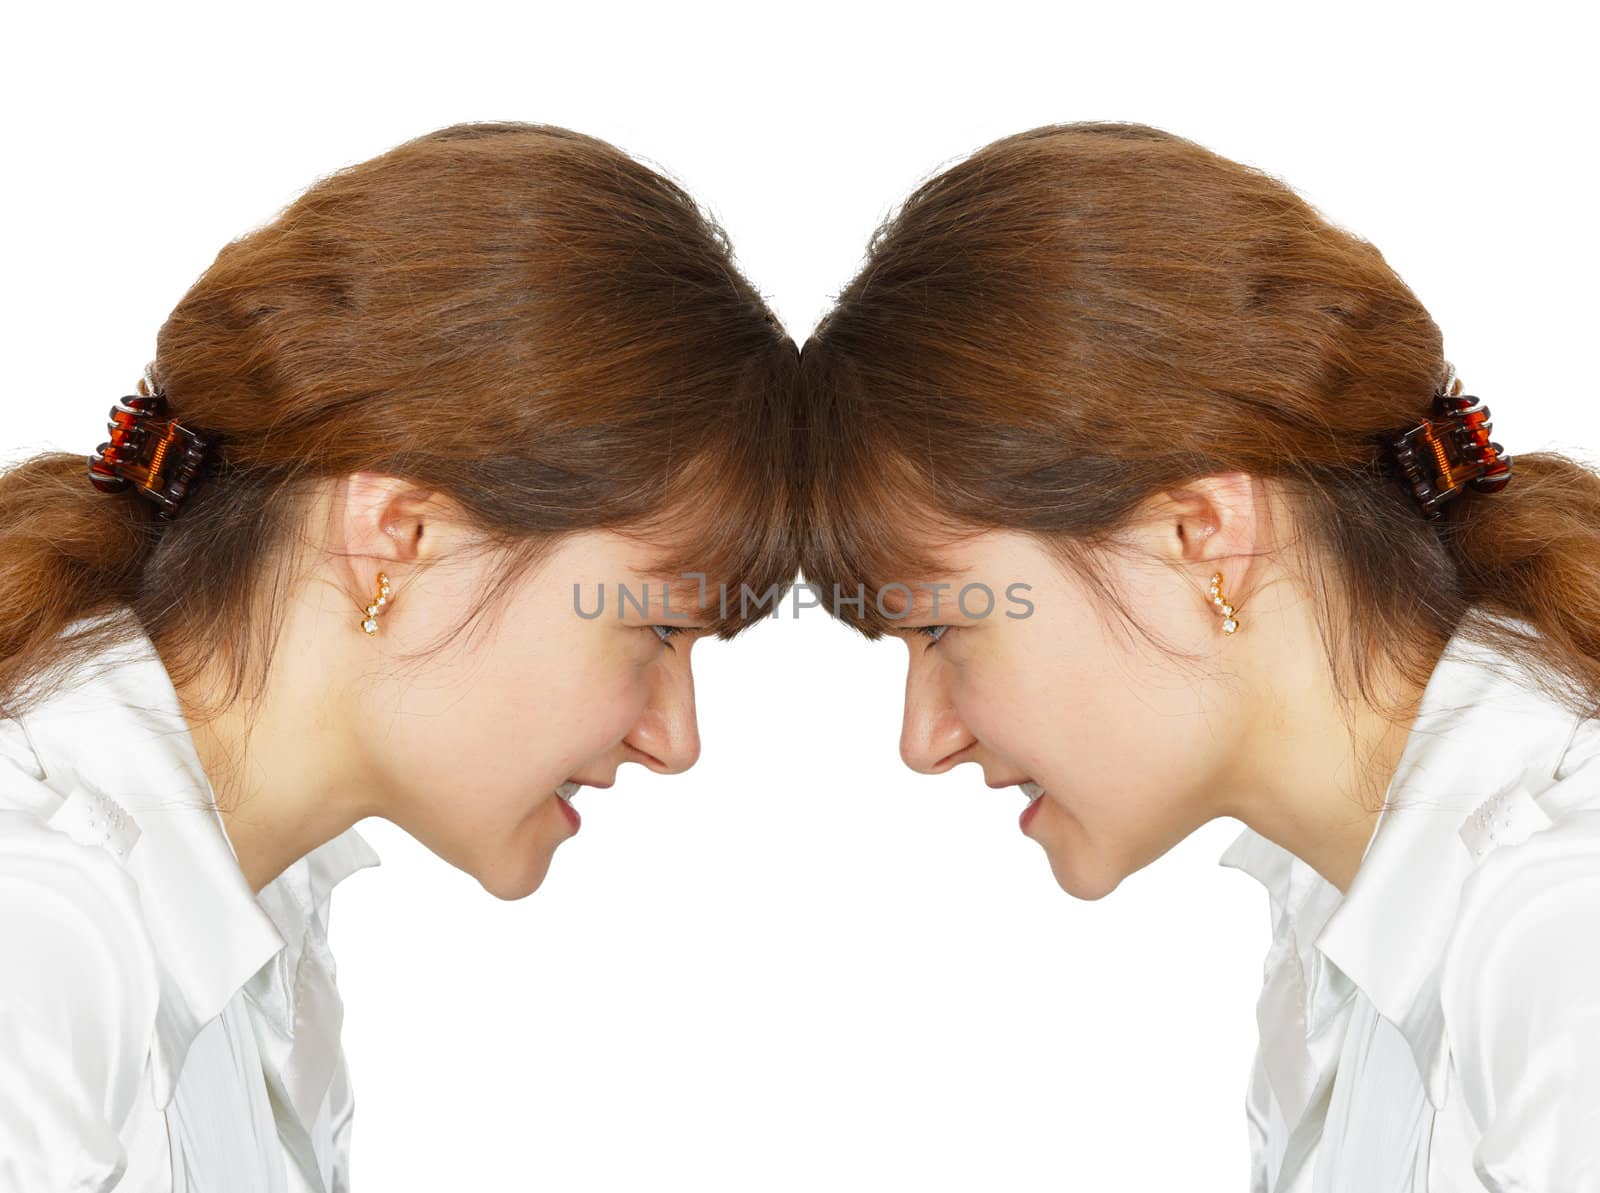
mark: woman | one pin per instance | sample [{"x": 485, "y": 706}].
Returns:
[
  {"x": 387, "y": 531},
  {"x": 1235, "y": 544}
]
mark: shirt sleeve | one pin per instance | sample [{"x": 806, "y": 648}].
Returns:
[
  {"x": 1520, "y": 991},
  {"x": 78, "y": 999}
]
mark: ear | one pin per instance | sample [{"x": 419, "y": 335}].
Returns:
[
  {"x": 1210, "y": 525},
  {"x": 385, "y": 523}
]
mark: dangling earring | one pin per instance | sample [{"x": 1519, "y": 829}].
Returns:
[
  {"x": 1229, "y": 622},
  {"x": 370, "y": 624}
]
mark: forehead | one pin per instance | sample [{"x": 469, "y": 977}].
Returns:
[
  {"x": 605, "y": 557},
  {"x": 968, "y": 577}
]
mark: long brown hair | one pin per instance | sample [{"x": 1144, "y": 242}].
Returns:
[
  {"x": 1079, "y": 316},
  {"x": 518, "y": 316}
]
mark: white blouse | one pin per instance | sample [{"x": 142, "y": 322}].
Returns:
[
  {"x": 162, "y": 1027},
  {"x": 1437, "y": 1027}
]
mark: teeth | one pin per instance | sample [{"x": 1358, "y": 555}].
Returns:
[
  {"x": 568, "y": 790},
  {"x": 1031, "y": 789}
]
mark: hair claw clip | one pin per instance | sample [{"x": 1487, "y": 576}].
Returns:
[
  {"x": 1442, "y": 456},
  {"x": 154, "y": 454}
]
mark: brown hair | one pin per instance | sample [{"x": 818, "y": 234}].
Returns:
[
  {"x": 1079, "y": 316},
  {"x": 518, "y": 316}
]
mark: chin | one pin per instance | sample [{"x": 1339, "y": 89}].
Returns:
[
  {"x": 1088, "y": 887},
  {"x": 512, "y": 885}
]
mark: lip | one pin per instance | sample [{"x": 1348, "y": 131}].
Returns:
[
  {"x": 564, "y": 794},
  {"x": 1029, "y": 813},
  {"x": 572, "y": 814},
  {"x": 1035, "y": 794}
]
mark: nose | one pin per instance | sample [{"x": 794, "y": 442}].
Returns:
[
  {"x": 931, "y": 730},
  {"x": 667, "y": 732}
]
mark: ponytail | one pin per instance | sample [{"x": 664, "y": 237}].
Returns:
[
  {"x": 69, "y": 552},
  {"x": 1532, "y": 552}
]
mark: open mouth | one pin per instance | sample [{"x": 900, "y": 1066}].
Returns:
[
  {"x": 568, "y": 789},
  {"x": 1035, "y": 794}
]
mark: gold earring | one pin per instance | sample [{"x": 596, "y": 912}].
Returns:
[
  {"x": 1229, "y": 622},
  {"x": 370, "y": 622}
]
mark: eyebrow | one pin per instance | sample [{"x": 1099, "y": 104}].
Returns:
[
  {"x": 653, "y": 591},
  {"x": 695, "y": 620},
  {"x": 921, "y": 605}
]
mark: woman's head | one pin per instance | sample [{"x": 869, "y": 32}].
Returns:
[
  {"x": 494, "y": 362},
  {"x": 1104, "y": 362}
]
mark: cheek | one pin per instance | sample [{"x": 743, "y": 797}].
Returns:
[
  {"x": 581, "y": 705},
  {"x": 1052, "y": 704},
  {"x": 477, "y": 748},
  {"x": 1123, "y": 745}
]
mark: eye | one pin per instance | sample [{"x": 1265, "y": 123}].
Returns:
[
  {"x": 927, "y": 632},
  {"x": 671, "y": 631}
]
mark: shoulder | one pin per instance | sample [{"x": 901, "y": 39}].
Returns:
[
  {"x": 1534, "y": 882},
  {"x": 80, "y": 974},
  {"x": 1520, "y": 996},
  {"x": 71, "y": 929},
  {"x": 1529, "y": 914},
  {"x": 79, "y": 991},
  {"x": 47, "y": 871},
  {"x": 1536, "y": 860},
  {"x": 1535, "y": 850},
  {"x": 64, "y": 840}
]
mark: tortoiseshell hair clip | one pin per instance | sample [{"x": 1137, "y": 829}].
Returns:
[
  {"x": 154, "y": 454},
  {"x": 1443, "y": 456}
]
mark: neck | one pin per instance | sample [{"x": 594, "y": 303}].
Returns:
[
  {"x": 1313, "y": 772},
  {"x": 279, "y": 765}
]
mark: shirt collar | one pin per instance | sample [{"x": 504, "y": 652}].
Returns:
[
  {"x": 115, "y": 726},
  {"x": 1484, "y": 729}
]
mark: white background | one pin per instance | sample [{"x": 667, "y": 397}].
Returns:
[{"x": 799, "y": 965}]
